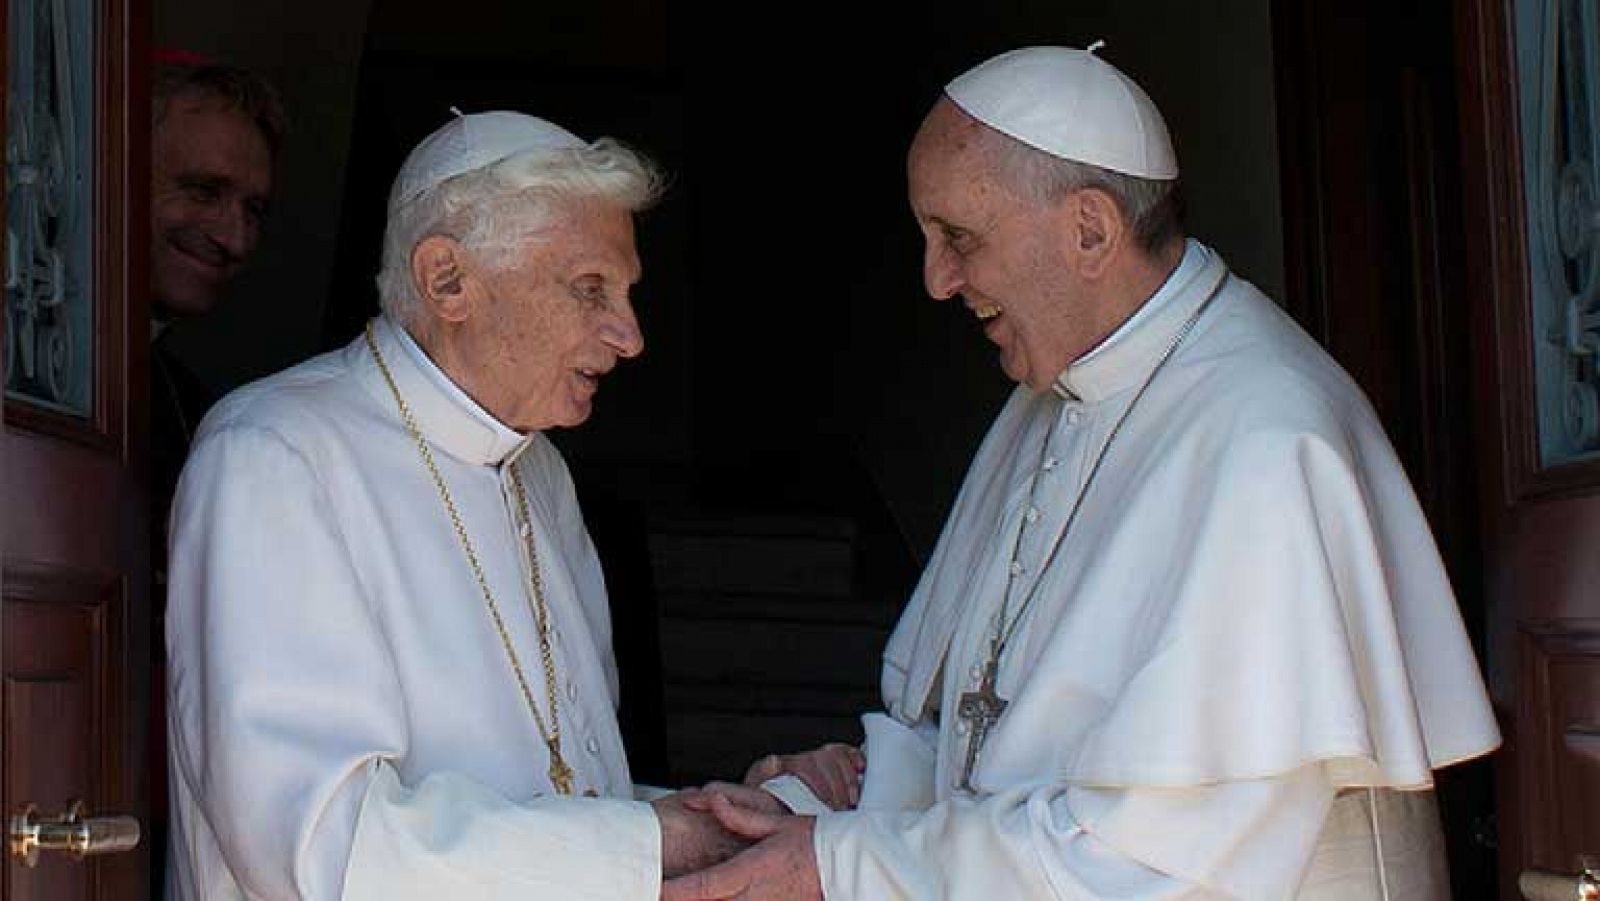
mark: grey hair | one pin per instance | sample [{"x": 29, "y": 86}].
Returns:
[
  {"x": 239, "y": 90},
  {"x": 1154, "y": 207},
  {"x": 492, "y": 211}
]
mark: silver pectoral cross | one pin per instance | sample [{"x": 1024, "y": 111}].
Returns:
[{"x": 980, "y": 710}]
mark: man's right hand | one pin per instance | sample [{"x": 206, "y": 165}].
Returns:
[
  {"x": 691, "y": 839},
  {"x": 832, "y": 772}
]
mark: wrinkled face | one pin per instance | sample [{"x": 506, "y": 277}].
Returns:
[
  {"x": 559, "y": 318},
  {"x": 1003, "y": 256},
  {"x": 211, "y": 179}
]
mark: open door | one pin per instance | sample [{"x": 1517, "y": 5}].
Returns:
[
  {"x": 1531, "y": 109},
  {"x": 74, "y": 632}
]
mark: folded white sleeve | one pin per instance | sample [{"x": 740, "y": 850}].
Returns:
[
  {"x": 1249, "y": 839},
  {"x": 450, "y": 838}
]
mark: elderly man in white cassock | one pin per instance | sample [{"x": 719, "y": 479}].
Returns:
[
  {"x": 1185, "y": 634},
  {"x": 391, "y": 669}
]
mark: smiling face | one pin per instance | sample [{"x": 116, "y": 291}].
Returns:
[
  {"x": 1009, "y": 259},
  {"x": 542, "y": 326},
  {"x": 211, "y": 179}
]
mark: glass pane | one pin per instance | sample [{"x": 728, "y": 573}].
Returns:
[
  {"x": 1558, "y": 62},
  {"x": 50, "y": 86}
]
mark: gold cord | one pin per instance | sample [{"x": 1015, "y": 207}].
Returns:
[{"x": 561, "y": 775}]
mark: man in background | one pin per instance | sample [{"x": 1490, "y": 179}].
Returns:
[{"x": 216, "y": 136}]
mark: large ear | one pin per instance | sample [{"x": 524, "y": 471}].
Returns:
[
  {"x": 442, "y": 274},
  {"x": 1097, "y": 230}
]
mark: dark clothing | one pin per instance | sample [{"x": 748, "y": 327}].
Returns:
[{"x": 178, "y": 401}]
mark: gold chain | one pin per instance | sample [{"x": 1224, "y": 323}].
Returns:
[{"x": 561, "y": 775}]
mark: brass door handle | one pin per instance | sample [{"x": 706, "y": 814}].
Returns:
[
  {"x": 1543, "y": 885},
  {"x": 71, "y": 832}
]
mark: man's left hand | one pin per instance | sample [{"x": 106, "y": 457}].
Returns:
[
  {"x": 756, "y": 799},
  {"x": 781, "y": 865},
  {"x": 691, "y": 836},
  {"x": 832, "y": 772}
]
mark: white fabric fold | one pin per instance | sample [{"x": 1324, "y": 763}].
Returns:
[
  {"x": 458, "y": 840},
  {"x": 1258, "y": 469},
  {"x": 795, "y": 794},
  {"x": 902, "y": 778}
]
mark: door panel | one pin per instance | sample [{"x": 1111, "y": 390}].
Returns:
[
  {"x": 74, "y": 631},
  {"x": 1559, "y": 715},
  {"x": 59, "y": 715}
]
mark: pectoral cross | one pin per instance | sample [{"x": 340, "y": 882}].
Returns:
[
  {"x": 980, "y": 710},
  {"x": 561, "y": 774}
]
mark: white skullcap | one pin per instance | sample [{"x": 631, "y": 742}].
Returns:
[
  {"x": 1070, "y": 104},
  {"x": 472, "y": 142}
]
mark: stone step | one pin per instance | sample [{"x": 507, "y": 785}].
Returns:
[
  {"x": 748, "y": 606},
  {"x": 768, "y": 642},
  {"x": 703, "y": 746},
  {"x": 758, "y": 525},
  {"x": 810, "y": 700},
  {"x": 768, "y": 653},
  {"x": 793, "y": 555}
]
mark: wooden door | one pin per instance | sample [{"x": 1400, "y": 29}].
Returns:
[
  {"x": 74, "y": 635},
  {"x": 1530, "y": 76}
]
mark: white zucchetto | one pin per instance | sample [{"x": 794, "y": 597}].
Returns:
[
  {"x": 470, "y": 142},
  {"x": 1071, "y": 104}
]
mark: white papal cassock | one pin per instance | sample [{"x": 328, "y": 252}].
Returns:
[
  {"x": 344, "y": 720},
  {"x": 1238, "y": 673}
]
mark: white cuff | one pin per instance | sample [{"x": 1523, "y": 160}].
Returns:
[{"x": 795, "y": 795}]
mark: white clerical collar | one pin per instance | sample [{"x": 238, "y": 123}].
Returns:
[
  {"x": 1121, "y": 359},
  {"x": 448, "y": 418}
]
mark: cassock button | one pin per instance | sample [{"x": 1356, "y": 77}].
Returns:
[
  {"x": 592, "y": 745},
  {"x": 1016, "y": 568},
  {"x": 1051, "y": 463},
  {"x": 1073, "y": 416},
  {"x": 1032, "y": 516},
  {"x": 977, "y": 672}
]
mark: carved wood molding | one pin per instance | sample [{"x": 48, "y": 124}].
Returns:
[
  {"x": 1548, "y": 744},
  {"x": 1584, "y": 741},
  {"x": 117, "y": 283},
  {"x": 41, "y": 583},
  {"x": 1497, "y": 261},
  {"x": 49, "y": 610}
]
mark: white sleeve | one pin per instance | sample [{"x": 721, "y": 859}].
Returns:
[
  {"x": 793, "y": 792},
  {"x": 900, "y": 763},
  {"x": 1241, "y": 839},
  {"x": 899, "y": 772},
  {"x": 449, "y": 837},
  {"x": 287, "y": 715},
  {"x": 649, "y": 793}
]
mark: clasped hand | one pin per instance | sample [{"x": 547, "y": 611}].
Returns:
[{"x": 778, "y": 862}]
